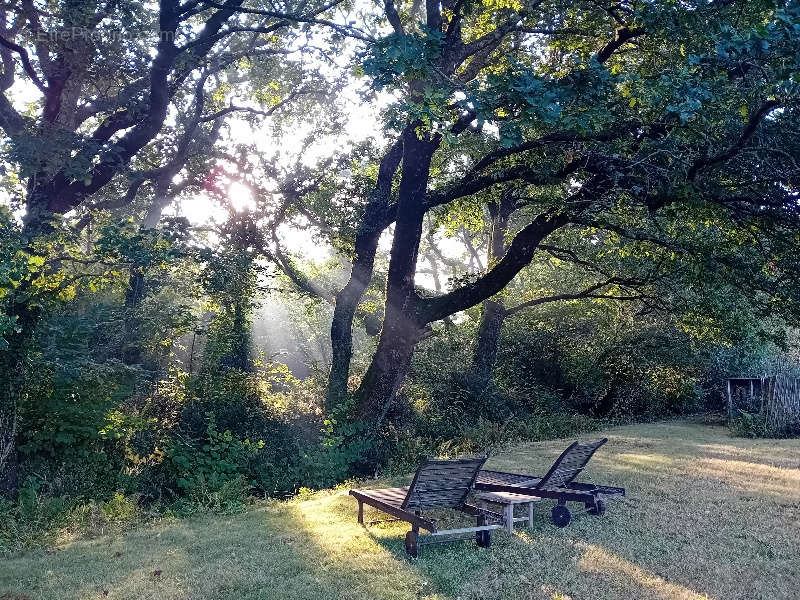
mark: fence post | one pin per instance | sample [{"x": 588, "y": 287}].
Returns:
[{"x": 730, "y": 402}]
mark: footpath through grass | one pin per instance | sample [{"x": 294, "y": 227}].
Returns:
[{"x": 707, "y": 516}]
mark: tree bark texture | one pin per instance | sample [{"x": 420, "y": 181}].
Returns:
[
  {"x": 347, "y": 300},
  {"x": 402, "y": 325}
]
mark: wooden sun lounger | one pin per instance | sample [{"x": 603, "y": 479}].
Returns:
[
  {"x": 558, "y": 483},
  {"x": 437, "y": 484}
]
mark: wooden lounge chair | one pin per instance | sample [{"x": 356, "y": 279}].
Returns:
[
  {"x": 437, "y": 484},
  {"x": 558, "y": 483}
]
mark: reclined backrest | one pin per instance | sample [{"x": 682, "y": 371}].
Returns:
[
  {"x": 569, "y": 465},
  {"x": 442, "y": 483}
]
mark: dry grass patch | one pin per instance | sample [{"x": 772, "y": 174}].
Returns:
[{"x": 707, "y": 516}]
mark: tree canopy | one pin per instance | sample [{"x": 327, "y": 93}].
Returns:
[{"x": 409, "y": 185}]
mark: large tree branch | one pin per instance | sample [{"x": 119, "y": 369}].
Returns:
[
  {"x": 285, "y": 263},
  {"x": 121, "y": 98},
  {"x": 70, "y": 194},
  {"x": 196, "y": 51},
  {"x": 393, "y": 17},
  {"x": 589, "y": 292},
  {"x": 40, "y": 35},
  {"x": 163, "y": 175},
  {"x": 569, "y": 255},
  {"x": 433, "y": 15},
  {"x": 467, "y": 238},
  {"x": 747, "y": 134},
  {"x": 7, "y": 77},
  {"x": 473, "y": 185},
  {"x": 66, "y": 195},
  {"x": 478, "y": 62},
  {"x": 310, "y": 18},
  {"x": 623, "y": 36},
  {"x": 254, "y": 111},
  {"x": 110, "y": 204},
  {"x": 520, "y": 253},
  {"x": 494, "y": 38},
  {"x": 26, "y": 62},
  {"x": 463, "y": 122},
  {"x": 546, "y": 140}
]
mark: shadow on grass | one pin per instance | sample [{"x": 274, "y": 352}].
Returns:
[
  {"x": 691, "y": 528},
  {"x": 273, "y": 553},
  {"x": 705, "y": 512},
  {"x": 542, "y": 562}
]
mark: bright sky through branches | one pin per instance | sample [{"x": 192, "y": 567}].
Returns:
[{"x": 241, "y": 197}]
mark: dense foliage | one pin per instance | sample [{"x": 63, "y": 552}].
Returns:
[{"x": 215, "y": 284}]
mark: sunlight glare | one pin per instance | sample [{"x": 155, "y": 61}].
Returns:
[{"x": 241, "y": 197}]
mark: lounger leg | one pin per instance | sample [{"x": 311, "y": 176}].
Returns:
[
  {"x": 509, "y": 517},
  {"x": 412, "y": 542},
  {"x": 530, "y": 515},
  {"x": 483, "y": 538},
  {"x": 361, "y": 513}
]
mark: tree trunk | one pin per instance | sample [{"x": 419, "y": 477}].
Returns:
[
  {"x": 131, "y": 347},
  {"x": 402, "y": 325},
  {"x": 493, "y": 312},
  {"x": 347, "y": 300},
  {"x": 484, "y": 355},
  {"x": 342, "y": 328},
  {"x": 387, "y": 371},
  {"x": 132, "y": 350},
  {"x": 240, "y": 350}
]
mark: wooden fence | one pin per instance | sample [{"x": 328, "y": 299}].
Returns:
[
  {"x": 776, "y": 398},
  {"x": 781, "y": 402}
]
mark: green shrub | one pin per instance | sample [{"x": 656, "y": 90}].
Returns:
[
  {"x": 408, "y": 452},
  {"x": 225, "y": 497},
  {"x": 210, "y": 471},
  {"x": 119, "y": 509},
  {"x": 65, "y": 441},
  {"x": 750, "y": 425},
  {"x": 483, "y": 437},
  {"x": 548, "y": 426},
  {"x": 196, "y": 434},
  {"x": 341, "y": 450}
]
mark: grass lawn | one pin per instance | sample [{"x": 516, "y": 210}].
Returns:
[{"x": 707, "y": 516}]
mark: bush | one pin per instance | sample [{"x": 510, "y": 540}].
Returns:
[
  {"x": 754, "y": 425},
  {"x": 65, "y": 442},
  {"x": 750, "y": 425},
  {"x": 119, "y": 509},
  {"x": 259, "y": 425},
  {"x": 341, "y": 450},
  {"x": 210, "y": 471},
  {"x": 227, "y": 497},
  {"x": 407, "y": 449}
]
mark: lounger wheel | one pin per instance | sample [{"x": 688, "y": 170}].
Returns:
[
  {"x": 483, "y": 538},
  {"x": 412, "y": 544},
  {"x": 561, "y": 515},
  {"x": 598, "y": 508}
]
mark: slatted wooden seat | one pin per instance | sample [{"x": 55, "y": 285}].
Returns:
[
  {"x": 558, "y": 483},
  {"x": 437, "y": 484}
]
